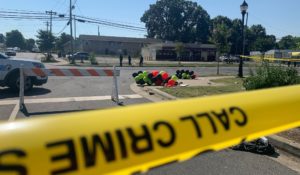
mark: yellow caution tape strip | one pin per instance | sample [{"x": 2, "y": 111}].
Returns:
[
  {"x": 139, "y": 138},
  {"x": 257, "y": 58}
]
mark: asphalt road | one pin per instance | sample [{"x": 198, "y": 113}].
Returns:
[{"x": 58, "y": 96}]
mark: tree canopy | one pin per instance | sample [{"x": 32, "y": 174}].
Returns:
[
  {"x": 287, "y": 42},
  {"x": 45, "y": 40},
  {"x": 61, "y": 41},
  {"x": 177, "y": 20},
  {"x": 186, "y": 21},
  {"x": 227, "y": 35},
  {"x": 30, "y": 43},
  {"x": 15, "y": 39},
  {"x": 2, "y": 38}
]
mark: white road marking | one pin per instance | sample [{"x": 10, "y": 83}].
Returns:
[
  {"x": 68, "y": 99},
  {"x": 8, "y": 102},
  {"x": 14, "y": 113}
]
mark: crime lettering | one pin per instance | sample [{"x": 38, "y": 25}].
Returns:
[{"x": 120, "y": 143}]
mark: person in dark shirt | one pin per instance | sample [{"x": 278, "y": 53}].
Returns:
[
  {"x": 129, "y": 60},
  {"x": 141, "y": 61},
  {"x": 121, "y": 60}
]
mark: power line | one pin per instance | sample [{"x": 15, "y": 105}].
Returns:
[
  {"x": 17, "y": 10},
  {"x": 108, "y": 23},
  {"x": 51, "y": 13},
  {"x": 34, "y": 15},
  {"x": 25, "y": 13},
  {"x": 62, "y": 30}
]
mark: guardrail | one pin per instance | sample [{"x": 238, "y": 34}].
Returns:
[
  {"x": 70, "y": 72},
  {"x": 142, "y": 137}
]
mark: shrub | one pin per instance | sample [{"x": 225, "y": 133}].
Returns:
[
  {"x": 271, "y": 76},
  {"x": 92, "y": 59}
]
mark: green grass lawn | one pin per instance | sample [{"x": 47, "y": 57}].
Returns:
[{"x": 231, "y": 85}]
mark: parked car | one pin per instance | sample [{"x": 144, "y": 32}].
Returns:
[
  {"x": 10, "y": 53},
  {"x": 10, "y": 74},
  {"x": 223, "y": 58},
  {"x": 234, "y": 58},
  {"x": 79, "y": 56},
  {"x": 35, "y": 50},
  {"x": 230, "y": 59}
]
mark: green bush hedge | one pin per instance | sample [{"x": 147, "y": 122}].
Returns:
[
  {"x": 268, "y": 76},
  {"x": 92, "y": 59}
]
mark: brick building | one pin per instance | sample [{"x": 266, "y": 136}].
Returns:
[
  {"x": 191, "y": 52},
  {"x": 111, "y": 45}
]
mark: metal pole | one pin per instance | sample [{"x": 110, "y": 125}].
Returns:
[
  {"x": 74, "y": 27},
  {"x": 21, "y": 87},
  {"x": 98, "y": 31},
  {"x": 241, "y": 59},
  {"x": 51, "y": 21},
  {"x": 71, "y": 33},
  {"x": 116, "y": 93},
  {"x": 47, "y": 24},
  {"x": 51, "y": 13},
  {"x": 74, "y": 19},
  {"x": 218, "y": 68}
]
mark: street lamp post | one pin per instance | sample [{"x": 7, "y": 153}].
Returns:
[{"x": 244, "y": 8}]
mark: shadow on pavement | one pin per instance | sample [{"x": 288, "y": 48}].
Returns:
[
  {"x": 8, "y": 93},
  {"x": 28, "y": 114}
]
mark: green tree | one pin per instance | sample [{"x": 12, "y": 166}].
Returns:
[
  {"x": 15, "y": 39},
  {"x": 2, "y": 38},
  {"x": 61, "y": 41},
  {"x": 297, "y": 41},
  {"x": 236, "y": 38},
  {"x": 46, "y": 42},
  {"x": 287, "y": 42},
  {"x": 220, "y": 37},
  {"x": 258, "y": 40},
  {"x": 30, "y": 44},
  {"x": 221, "y": 20},
  {"x": 221, "y": 32},
  {"x": 177, "y": 20}
]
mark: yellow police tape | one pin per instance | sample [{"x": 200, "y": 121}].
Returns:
[
  {"x": 138, "y": 138},
  {"x": 257, "y": 58}
]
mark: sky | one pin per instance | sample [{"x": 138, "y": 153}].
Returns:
[{"x": 279, "y": 17}]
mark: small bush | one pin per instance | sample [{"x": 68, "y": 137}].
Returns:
[
  {"x": 92, "y": 59},
  {"x": 271, "y": 76}
]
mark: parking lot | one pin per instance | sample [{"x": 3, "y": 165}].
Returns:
[{"x": 58, "y": 95}]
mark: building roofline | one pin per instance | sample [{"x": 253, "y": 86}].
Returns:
[{"x": 118, "y": 39}]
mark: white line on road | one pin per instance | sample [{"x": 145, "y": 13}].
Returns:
[
  {"x": 68, "y": 99},
  {"x": 14, "y": 113}
]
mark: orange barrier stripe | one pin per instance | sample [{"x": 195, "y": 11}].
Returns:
[
  {"x": 39, "y": 72},
  {"x": 109, "y": 72},
  {"x": 93, "y": 72},
  {"x": 57, "y": 72},
  {"x": 75, "y": 72}
]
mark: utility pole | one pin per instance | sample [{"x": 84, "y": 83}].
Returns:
[
  {"x": 71, "y": 33},
  {"x": 51, "y": 13},
  {"x": 74, "y": 19},
  {"x": 47, "y": 24},
  {"x": 98, "y": 31}
]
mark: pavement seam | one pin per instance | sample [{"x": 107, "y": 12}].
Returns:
[{"x": 70, "y": 99}]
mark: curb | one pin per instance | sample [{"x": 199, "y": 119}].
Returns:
[
  {"x": 285, "y": 144},
  {"x": 161, "y": 93}
]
